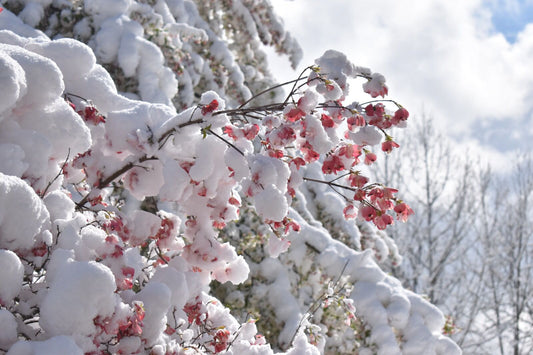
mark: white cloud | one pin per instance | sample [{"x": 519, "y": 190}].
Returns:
[{"x": 444, "y": 55}]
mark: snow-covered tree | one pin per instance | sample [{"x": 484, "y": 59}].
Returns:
[{"x": 169, "y": 216}]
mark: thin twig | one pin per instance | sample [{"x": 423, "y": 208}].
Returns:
[
  {"x": 269, "y": 89},
  {"x": 226, "y": 141},
  {"x": 105, "y": 182},
  {"x": 317, "y": 302},
  {"x": 169, "y": 132},
  {"x": 243, "y": 111},
  {"x": 294, "y": 86},
  {"x": 58, "y": 174}
]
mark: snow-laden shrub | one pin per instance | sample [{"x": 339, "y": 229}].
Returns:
[{"x": 121, "y": 221}]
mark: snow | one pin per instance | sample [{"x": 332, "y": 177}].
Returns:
[
  {"x": 23, "y": 215},
  {"x": 366, "y": 135},
  {"x": 156, "y": 299},
  {"x": 43, "y": 77},
  {"x": 8, "y": 324},
  {"x": 271, "y": 204},
  {"x": 59, "y": 205},
  {"x": 11, "y": 274},
  {"x": 89, "y": 283},
  {"x": 13, "y": 80},
  {"x": 54, "y": 345},
  {"x": 12, "y": 159}
]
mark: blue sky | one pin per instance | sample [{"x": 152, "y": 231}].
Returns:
[
  {"x": 510, "y": 17},
  {"x": 467, "y": 63}
]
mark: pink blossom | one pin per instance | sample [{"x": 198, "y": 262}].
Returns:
[
  {"x": 369, "y": 110},
  {"x": 359, "y": 195},
  {"x": 251, "y": 131},
  {"x": 298, "y": 162},
  {"x": 349, "y": 212},
  {"x": 368, "y": 213},
  {"x": 376, "y": 86},
  {"x": 327, "y": 121},
  {"x": 383, "y": 221},
  {"x": 370, "y": 158},
  {"x": 357, "y": 180},
  {"x": 400, "y": 115},
  {"x": 403, "y": 211},
  {"x": 295, "y": 114},
  {"x": 332, "y": 165},
  {"x": 212, "y": 106},
  {"x": 388, "y": 145}
]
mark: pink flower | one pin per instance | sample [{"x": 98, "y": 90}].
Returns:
[
  {"x": 370, "y": 158},
  {"x": 388, "y": 145},
  {"x": 369, "y": 110},
  {"x": 220, "y": 340},
  {"x": 90, "y": 114},
  {"x": 400, "y": 115},
  {"x": 376, "y": 86},
  {"x": 385, "y": 204},
  {"x": 368, "y": 213},
  {"x": 40, "y": 250},
  {"x": 128, "y": 271},
  {"x": 194, "y": 312},
  {"x": 251, "y": 131},
  {"x": 332, "y": 165},
  {"x": 295, "y": 114},
  {"x": 349, "y": 212},
  {"x": 388, "y": 192},
  {"x": 233, "y": 201},
  {"x": 403, "y": 211},
  {"x": 212, "y": 106},
  {"x": 327, "y": 122},
  {"x": 379, "y": 110},
  {"x": 350, "y": 151},
  {"x": 383, "y": 221},
  {"x": 229, "y": 131},
  {"x": 357, "y": 180},
  {"x": 355, "y": 121},
  {"x": 359, "y": 195},
  {"x": 298, "y": 162},
  {"x": 286, "y": 135}
]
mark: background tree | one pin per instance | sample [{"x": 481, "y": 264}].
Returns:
[
  {"x": 505, "y": 241},
  {"x": 438, "y": 243}
]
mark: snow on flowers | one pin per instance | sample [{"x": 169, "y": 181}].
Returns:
[{"x": 112, "y": 208}]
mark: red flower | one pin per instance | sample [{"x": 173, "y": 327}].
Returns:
[
  {"x": 327, "y": 122},
  {"x": 368, "y": 213},
  {"x": 355, "y": 121},
  {"x": 349, "y": 212},
  {"x": 212, "y": 106},
  {"x": 357, "y": 180},
  {"x": 400, "y": 115},
  {"x": 251, "y": 132},
  {"x": 383, "y": 221},
  {"x": 369, "y": 110},
  {"x": 90, "y": 114},
  {"x": 403, "y": 211},
  {"x": 332, "y": 165},
  {"x": 370, "y": 158},
  {"x": 295, "y": 114},
  {"x": 298, "y": 162},
  {"x": 40, "y": 250},
  {"x": 388, "y": 145}
]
